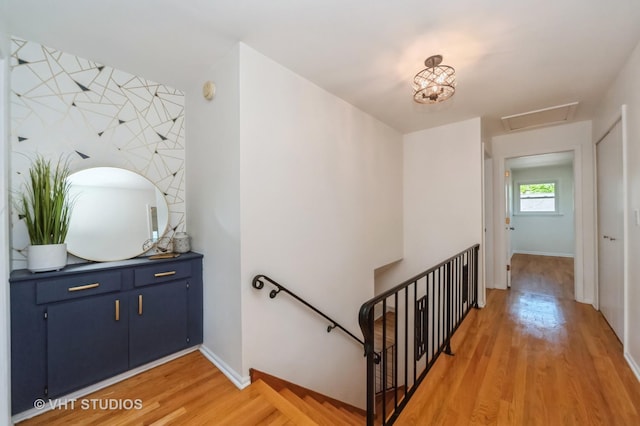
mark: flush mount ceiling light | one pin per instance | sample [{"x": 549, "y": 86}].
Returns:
[{"x": 435, "y": 83}]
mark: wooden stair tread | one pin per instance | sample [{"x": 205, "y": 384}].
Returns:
[
  {"x": 278, "y": 384},
  {"x": 347, "y": 419},
  {"x": 283, "y": 404},
  {"x": 360, "y": 419},
  {"x": 312, "y": 412},
  {"x": 326, "y": 411},
  {"x": 251, "y": 412}
]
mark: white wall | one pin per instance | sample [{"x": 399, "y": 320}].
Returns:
[
  {"x": 442, "y": 200},
  {"x": 213, "y": 206},
  {"x": 545, "y": 234},
  {"x": 575, "y": 137},
  {"x": 321, "y": 208},
  {"x": 626, "y": 91}
]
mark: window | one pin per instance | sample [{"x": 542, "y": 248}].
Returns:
[{"x": 537, "y": 197}]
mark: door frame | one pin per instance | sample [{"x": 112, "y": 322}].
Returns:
[
  {"x": 578, "y": 264},
  {"x": 5, "y": 250},
  {"x": 508, "y": 214},
  {"x": 623, "y": 118},
  {"x": 487, "y": 221}
]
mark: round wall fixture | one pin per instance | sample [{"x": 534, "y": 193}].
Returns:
[{"x": 209, "y": 90}]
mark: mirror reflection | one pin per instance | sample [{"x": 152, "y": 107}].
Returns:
[{"x": 115, "y": 213}]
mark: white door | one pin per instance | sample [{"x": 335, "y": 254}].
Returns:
[
  {"x": 610, "y": 229},
  {"x": 508, "y": 196}
]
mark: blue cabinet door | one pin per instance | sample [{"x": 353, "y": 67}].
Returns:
[
  {"x": 158, "y": 321},
  {"x": 87, "y": 342}
]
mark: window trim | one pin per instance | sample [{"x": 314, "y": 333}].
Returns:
[{"x": 517, "y": 199}]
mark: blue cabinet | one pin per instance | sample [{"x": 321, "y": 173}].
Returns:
[
  {"x": 87, "y": 342},
  {"x": 158, "y": 322},
  {"x": 88, "y": 322}
]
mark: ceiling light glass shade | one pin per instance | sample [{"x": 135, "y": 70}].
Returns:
[{"x": 435, "y": 83}]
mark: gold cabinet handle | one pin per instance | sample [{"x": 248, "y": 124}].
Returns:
[
  {"x": 84, "y": 287},
  {"x": 164, "y": 274},
  {"x": 139, "y": 304},
  {"x": 117, "y": 310}
]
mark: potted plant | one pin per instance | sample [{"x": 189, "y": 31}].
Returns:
[{"x": 45, "y": 207}]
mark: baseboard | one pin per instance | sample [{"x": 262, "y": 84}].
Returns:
[
  {"x": 543, "y": 253},
  {"x": 239, "y": 381},
  {"x": 632, "y": 363},
  {"x": 101, "y": 385}
]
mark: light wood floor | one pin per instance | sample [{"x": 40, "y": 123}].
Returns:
[
  {"x": 548, "y": 275},
  {"x": 533, "y": 356},
  {"x": 186, "y": 391}
]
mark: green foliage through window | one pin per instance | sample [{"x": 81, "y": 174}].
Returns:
[
  {"x": 538, "y": 189},
  {"x": 537, "y": 197}
]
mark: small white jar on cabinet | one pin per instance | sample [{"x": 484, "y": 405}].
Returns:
[{"x": 181, "y": 242}]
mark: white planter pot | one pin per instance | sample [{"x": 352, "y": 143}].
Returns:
[{"x": 47, "y": 257}]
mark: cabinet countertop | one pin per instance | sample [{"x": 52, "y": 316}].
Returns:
[{"x": 79, "y": 268}]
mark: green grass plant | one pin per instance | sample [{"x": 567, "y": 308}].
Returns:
[{"x": 45, "y": 204}]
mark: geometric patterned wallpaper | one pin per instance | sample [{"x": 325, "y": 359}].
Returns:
[{"x": 93, "y": 115}]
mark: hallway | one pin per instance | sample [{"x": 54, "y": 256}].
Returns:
[{"x": 531, "y": 356}]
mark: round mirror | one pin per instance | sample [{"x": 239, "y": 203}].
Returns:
[{"x": 116, "y": 213}]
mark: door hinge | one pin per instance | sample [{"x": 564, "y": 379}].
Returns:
[
  {"x": 508, "y": 267},
  {"x": 46, "y": 391},
  {"x": 188, "y": 286},
  {"x": 506, "y": 173},
  {"x": 46, "y": 315},
  {"x": 188, "y": 340},
  {"x": 507, "y": 220}
]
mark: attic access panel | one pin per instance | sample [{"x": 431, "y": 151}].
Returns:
[{"x": 541, "y": 117}]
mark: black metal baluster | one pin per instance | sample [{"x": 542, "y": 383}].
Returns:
[
  {"x": 475, "y": 276},
  {"x": 394, "y": 383},
  {"x": 415, "y": 298},
  {"x": 470, "y": 266},
  {"x": 426, "y": 319},
  {"x": 435, "y": 314},
  {"x": 438, "y": 311},
  {"x": 448, "y": 309},
  {"x": 459, "y": 284},
  {"x": 384, "y": 360},
  {"x": 370, "y": 354},
  {"x": 406, "y": 339},
  {"x": 459, "y": 289},
  {"x": 454, "y": 295}
]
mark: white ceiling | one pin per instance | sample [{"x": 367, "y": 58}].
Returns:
[{"x": 510, "y": 56}]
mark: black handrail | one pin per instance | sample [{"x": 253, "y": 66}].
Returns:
[
  {"x": 258, "y": 283},
  {"x": 429, "y": 308}
]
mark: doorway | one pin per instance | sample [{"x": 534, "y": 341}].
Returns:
[{"x": 540, "y": 225}]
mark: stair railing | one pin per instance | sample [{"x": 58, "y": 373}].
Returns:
[
  {"x": 258, "y": 283},
  {"x": 426, "y": 310}
]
